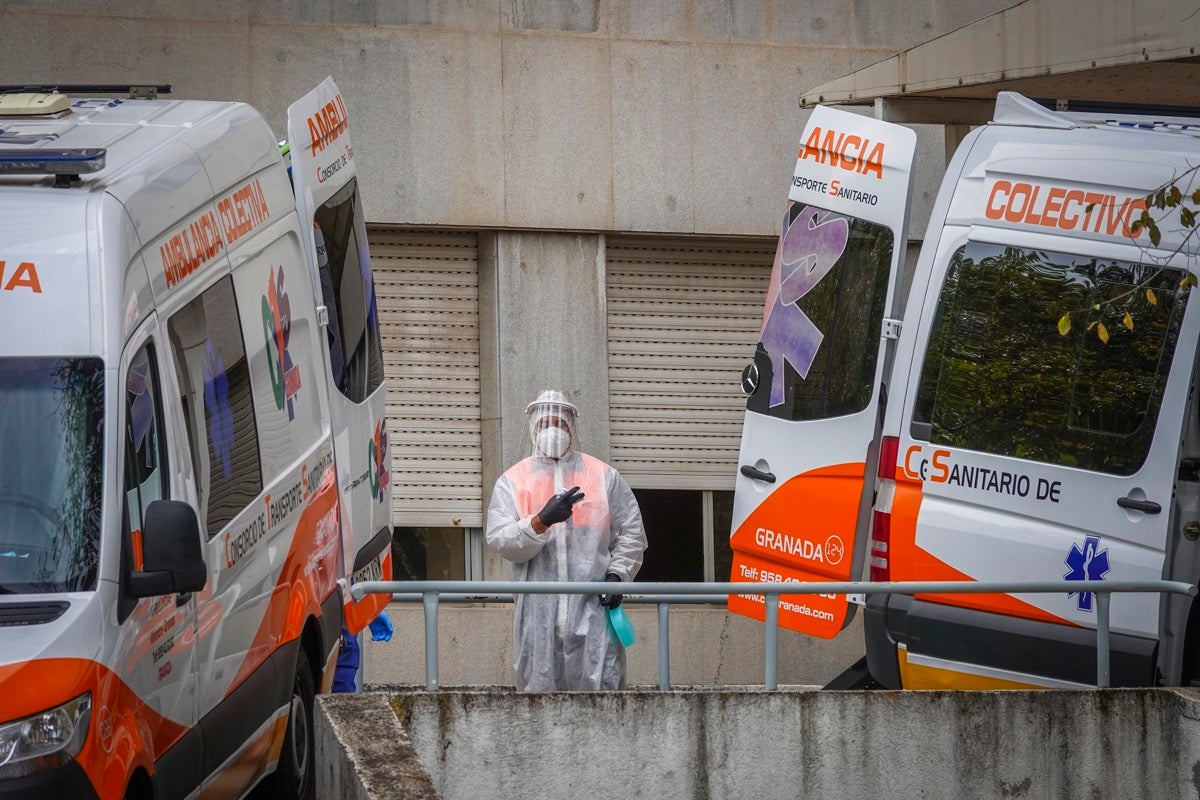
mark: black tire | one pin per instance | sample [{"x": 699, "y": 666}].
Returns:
[
  {"x": 295, "y": 777},
  {"x": 139, "y": 788}
]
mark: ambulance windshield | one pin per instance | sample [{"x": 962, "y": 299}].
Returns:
[{"x": 51, "y": 438}]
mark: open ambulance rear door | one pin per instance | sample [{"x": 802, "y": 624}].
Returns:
[
  {"x": 816, "y": 387},
  {"x": 332, "y": 217}
]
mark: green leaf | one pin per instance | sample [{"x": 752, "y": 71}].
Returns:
[
  {"x": 1064, "y": 324},
  {"x": 1102, "y": 332},
  {"x": 1093, "y": 324},
  {"x": 1174, "y": 196},
  {"x": 1187, "y": 217},
  {"x": 1134, "y": 227},
  {"x": 1160, "y": 198},
  {"x": 1151, "y": 297},
  {"x": 1155, "y": 236},
  {"x": 1128, "y": 321},
  {"x": 1196, "y": 197},
  {"x": 1088, "y": 208}
]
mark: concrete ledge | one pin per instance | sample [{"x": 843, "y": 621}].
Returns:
[
  {"x": 1088, "y": 744},
  {"x": 363, "y": 752}
]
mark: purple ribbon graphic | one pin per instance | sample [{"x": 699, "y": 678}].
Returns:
[{"x": 809, "y": 247}]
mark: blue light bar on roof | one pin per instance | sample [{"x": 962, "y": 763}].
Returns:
[{"x": 74, "y": 161}]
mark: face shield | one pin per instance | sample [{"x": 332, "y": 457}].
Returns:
[{"x": 552, "y": 425}]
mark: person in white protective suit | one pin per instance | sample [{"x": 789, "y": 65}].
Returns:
[{"x": 562, "y": 515}]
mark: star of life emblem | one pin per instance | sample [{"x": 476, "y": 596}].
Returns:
[{"x": 1087, "y": 563}]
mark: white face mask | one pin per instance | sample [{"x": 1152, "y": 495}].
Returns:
[{"x": 553, "y": 442}]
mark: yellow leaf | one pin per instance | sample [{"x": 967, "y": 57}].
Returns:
[
  {"x": 1093, "y": 324},
  {"x": 1128, "y": 321},
  {"x": 1064, "y": 324},
  {"x": 1102, "y": 332},
  {"x": 1151, "y": 297}
]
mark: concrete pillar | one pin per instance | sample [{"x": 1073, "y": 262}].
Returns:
[{"x": 542, "y": 326}]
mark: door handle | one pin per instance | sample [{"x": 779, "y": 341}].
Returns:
[
  {"x": 182, "y": 599},
  {"x": 757, "y": 474},
  {"x": 1148, "y": 506}
]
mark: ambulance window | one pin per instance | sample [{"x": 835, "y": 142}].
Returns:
[
  {"x": 998, "y": 377},
  {"x": 348, "y": 292},
  {"x": 820, "y": 339},
  {"x": 145, "y": 461},
  {"x": 218, "y": 410}
]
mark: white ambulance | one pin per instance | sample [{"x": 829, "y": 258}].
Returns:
[
  {"x": 194, "y": 450},
  {"x": 1032, "y": 416}
]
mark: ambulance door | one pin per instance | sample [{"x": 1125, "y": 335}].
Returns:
[
  {"x": 156, "y": 647},
  {"x": 816, "y": 387},
  {"x": 1041, "y": 443},
  {"x": 324, "y": 177}
]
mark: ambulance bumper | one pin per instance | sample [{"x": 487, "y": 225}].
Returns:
[
  {"x": 964, "y": 648},
  {"x": 67, "y": 781}
]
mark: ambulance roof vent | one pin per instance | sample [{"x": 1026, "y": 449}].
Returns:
[
  {"x": 65, "y": 165},
  {"x": 33, "y": 104}
]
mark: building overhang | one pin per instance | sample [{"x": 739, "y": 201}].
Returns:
[{"x": 1141, "y": 52}]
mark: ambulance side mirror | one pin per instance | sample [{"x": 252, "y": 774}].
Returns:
[{"x": 171, "y": 558}]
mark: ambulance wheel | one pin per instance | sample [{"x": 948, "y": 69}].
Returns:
[
  {"x": 1190, "y": 674},
  {"x": 295, "y": 777},
  {"x": 139, "y": 788}
]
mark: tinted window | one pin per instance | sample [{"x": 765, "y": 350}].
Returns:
[
  {"x": 214, "y": 382},
  {"x": 52, "y": 441},
  {"x": 820, "y": 340},
  {"x": 998, "y": 376},
  {"x": 145, "y": 462},
  {"x": 348, "y": 292}
]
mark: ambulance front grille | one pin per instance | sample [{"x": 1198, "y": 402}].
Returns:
[{"x": 31, "y": 613}]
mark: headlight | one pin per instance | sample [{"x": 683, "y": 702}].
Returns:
[{"x": 45, "y": 740}]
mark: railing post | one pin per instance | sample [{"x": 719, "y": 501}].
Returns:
[
  {"x": 1102, "y": 671},
  {"x": 772, "y": 626},
  {"x": 430, "y": 601},
  {"x": 664, "y": 647}
]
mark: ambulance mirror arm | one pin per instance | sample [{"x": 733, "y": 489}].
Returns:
[{"x": 171, "y": 557}]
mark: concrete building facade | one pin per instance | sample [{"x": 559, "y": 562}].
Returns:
[{"x": 582, "y": 195}]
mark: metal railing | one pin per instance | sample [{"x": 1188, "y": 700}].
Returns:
[{"x": 664, "y": 594}]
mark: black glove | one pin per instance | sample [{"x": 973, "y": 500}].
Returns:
[
  {"x": 611, "y": 601},
  {"x": 558, "y": 507}
]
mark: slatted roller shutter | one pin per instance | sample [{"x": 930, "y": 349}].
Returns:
[
  {"x": 683, "y": 321},
  {"x": 427, "y": 283}
]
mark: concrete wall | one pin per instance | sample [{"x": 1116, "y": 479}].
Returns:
[
  {"x": 1090, "y": 745},
  {"x": 708, "y": 646},
  {"x": 677, "y": 117}
]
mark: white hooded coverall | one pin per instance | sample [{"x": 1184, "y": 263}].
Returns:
[{"x": 564, "y": 642}]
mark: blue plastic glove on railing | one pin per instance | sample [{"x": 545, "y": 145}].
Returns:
[{"x": 381, "y": 628}]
